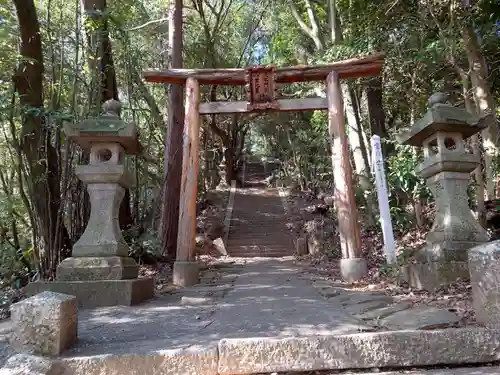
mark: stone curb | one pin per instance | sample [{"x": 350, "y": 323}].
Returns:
[
  {"x": 199, "y": 360},
  {"x": 445, "y": 371},
  {"x": 395, "y": 349},
  {"x": 27, "y": 364},
  {"x": 364, "y": 350}
]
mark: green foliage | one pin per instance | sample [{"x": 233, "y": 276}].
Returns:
[
  {"x": 402, "y": 172},
  {"x": 405, "y": 185},
  {"x": 145, "y": 247}
]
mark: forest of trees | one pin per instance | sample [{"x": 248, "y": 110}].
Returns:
[{"x": 60, "y": 60}]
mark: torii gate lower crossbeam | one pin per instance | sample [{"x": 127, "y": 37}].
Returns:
[{"x": 261, "y": 83}]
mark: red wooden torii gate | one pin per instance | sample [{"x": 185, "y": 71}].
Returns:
[{"x": 261, "y": 83}]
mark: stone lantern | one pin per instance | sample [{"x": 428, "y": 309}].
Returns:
[
  {"x": 446, "y": 168},
  {"x": 100, "y": 271}
]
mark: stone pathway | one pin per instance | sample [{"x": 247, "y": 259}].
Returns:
[
  {"x": 269, "y": 299},
  {"x": 258, "y": 225},
  {"x": 382, "y": 311}
]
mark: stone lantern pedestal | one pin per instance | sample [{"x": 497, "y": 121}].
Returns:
[
  {"x": 446, "y": 168},
  {"x": 100, "y": 271}
]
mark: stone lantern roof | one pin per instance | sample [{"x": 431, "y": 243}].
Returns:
[
  {"x": 441, "y": 117},
  {"x": 106, "y": 128}
]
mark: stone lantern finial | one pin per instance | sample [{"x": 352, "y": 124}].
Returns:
[
  {"x": 439, "y": 98},
  {"x": 112, "y": 107}
]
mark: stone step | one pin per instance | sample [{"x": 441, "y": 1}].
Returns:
[
  {"x": 264, "y": 219},
  {"x": 260, "y": 252},
  {"x": 260, "y": 245},
  {"x": 259, "y": 237},
  {"x": 257, "y": 223},
  {"x": 486, "y": 370},
  {"x": 464, "y": 349},
  {"x": 250, "y": 234},
  {"x": 261, "y": 255},
  {"x": 255, "y": 227},
  {"x": 252, "y": 228},
  {"x": 260, "y": 248},
  {"x": 355, "y": 351}
]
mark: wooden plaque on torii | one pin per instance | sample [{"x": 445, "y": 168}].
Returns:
[{"x": 261, "y": 88}]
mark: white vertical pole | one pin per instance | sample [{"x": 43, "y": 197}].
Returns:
[{"x": 383, "y": 200}]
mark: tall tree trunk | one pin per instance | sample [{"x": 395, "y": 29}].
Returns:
[
  {"x": 311, "y": 29},
  {"x": 335, "y": 25},
  {"x": 359, "y": 149},
  {"x": 376, "y": 112},
  {"x": 485, "y": 103},
  {"x": 173, "y": 138},
  {"x": 36, "y": 145},
  {"x": 355, "y": 128},
  {"x": 99, "y": 54},
  {"x": 476, "y": 149}
]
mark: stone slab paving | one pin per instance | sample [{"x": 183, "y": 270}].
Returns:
[
  {"x": 258, "y": 316},
  {"x": 381, "y": 310},
  {"x": 270, "y": 300}
]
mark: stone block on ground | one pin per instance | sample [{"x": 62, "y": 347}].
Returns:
[
  {"x": 433, "y": 275},
  {"x": 185, "y": 300},
  {"x": 422, "y": 317},
  {"x": 219, "y": 246},
  {"x": 362, "y": 350},
  {"x": 45, "y": 324},
  {"x": 484, "y": 268},
  {"x": 99, "y": 293},
  {"x": 26, "y": 364}
]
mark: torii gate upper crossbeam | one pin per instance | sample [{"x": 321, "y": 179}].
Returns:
[{"x": 352, "y": 68}]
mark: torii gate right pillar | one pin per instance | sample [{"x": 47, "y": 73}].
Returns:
[{"x": 352, "y": 265}]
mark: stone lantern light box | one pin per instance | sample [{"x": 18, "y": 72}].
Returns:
[
  {"x": 446, "y": 168},
  {"x": 100, "y": 271}
]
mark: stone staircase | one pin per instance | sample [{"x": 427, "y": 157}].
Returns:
[
  {"x": 258, "y": 225},
  {"x": 254, "y": 172}
]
